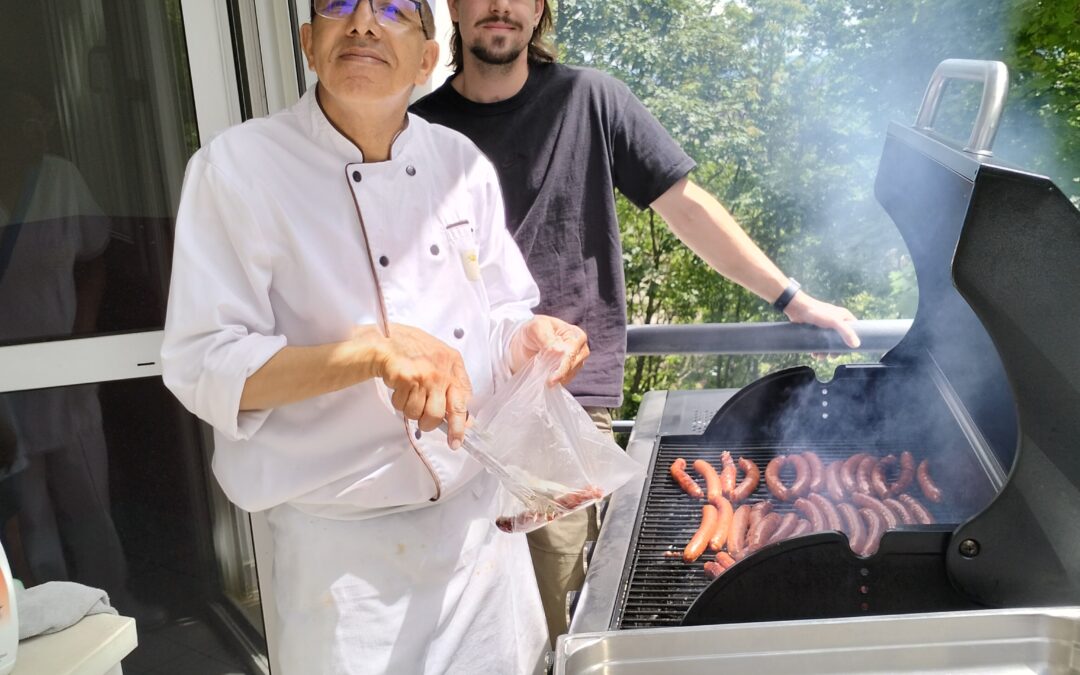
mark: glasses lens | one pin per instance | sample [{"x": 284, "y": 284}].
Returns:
[
  {"x": 396, "y": 12},
  {"x": 335, "y": 9}
]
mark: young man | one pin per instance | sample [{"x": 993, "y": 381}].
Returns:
[
  {"x": 562, "y": 138},
  {"x": 335, "y": 264}
]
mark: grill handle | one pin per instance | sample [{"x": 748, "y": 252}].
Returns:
[{"x": 995, "y": 78}]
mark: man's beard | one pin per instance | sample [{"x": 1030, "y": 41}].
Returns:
[{"x": 494, "y": 58}]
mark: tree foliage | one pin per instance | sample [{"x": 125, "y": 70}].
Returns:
[{"x": 784, "y": 104}]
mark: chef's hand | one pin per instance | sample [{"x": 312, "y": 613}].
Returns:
[
  {"x": 428, "y": 377},
  {"x": 548, "y": 335},
  {"x": 805, "y": 308}
]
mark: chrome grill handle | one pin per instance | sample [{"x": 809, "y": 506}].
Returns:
[{"x": 995, "y": 78}]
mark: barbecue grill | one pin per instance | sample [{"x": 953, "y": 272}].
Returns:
[{"x": 986, "y": 384}]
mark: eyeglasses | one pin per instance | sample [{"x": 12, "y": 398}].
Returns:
[{"x": 390, "y": 14}]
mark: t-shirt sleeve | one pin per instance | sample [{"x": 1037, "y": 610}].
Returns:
[
  {"x": 219, "y": 326},
  {"x": 646, "y": 159}
]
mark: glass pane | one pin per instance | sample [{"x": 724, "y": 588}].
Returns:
[
  {"x": 96, "y": 124},
  {"x": 106, "y": 485}
]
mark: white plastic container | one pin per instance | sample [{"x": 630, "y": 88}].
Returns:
[{"x": 9, "y": 618}]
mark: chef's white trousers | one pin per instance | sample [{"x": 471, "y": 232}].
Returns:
[{"x": 435, "y": 590}]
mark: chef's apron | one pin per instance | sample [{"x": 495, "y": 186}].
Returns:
[{"x": 434, "y": 590}]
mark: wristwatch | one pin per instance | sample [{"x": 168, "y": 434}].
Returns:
[{"x": 785, "y": 297}]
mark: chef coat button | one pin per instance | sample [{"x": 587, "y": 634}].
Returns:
[
  {"x": 356, "y": 176},
  {"x": 458, "y": 333},
  {"x": 434, "y": 249},
  {"x": 384, "y": 261},
  {"x": 411, "y": 170},
  {"x": 418, "y": 434}
]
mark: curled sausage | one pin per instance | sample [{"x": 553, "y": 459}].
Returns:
[
  {"x": 853, "y": 525},
  {"x": 847, "y": 471},
  {"x": 713, "y": 570},
  {"x": 736, "y": 540},
  {"x": 705, "y": 531},
  {"x": 862, "y": 473},
  {"x": 772, "y": 479},
  {"x": 832, "y": 482},
  {"x": 900, "y": 510},
  {"x": 678, "y": 472},
  {"x": 751, "y": 480},
  {"x": 801, "y": 527},
  {"x": 817, "y": 471},
  {"x": 878, "y": 481},
  {"x": 762, "y": 533},
  {"x": 828, "y": 510},
  {"x": 725, "y": 559},
  {"x": 868, "y": 502},
  {"x": 812, "y": 513},
  {"x": 875, "y": 527},
  {"x": 787, "y": 525},
  {"x": 800, "y": 487},
  {"x": 919, "y": 512},
  {"x": 727, "y": 474},
  {"x": 723, "y": 523},
  {"x": 929, "y": 489},
  {"x": 907, "y": 474},
  {"x": 712, "y": 479}
]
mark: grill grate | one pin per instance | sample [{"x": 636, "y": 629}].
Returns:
[{"x": 658, "y": 591}]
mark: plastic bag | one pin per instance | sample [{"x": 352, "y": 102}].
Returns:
[{"x": 547, "y": 453}]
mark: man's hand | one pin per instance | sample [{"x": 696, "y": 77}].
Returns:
[
  {"x": 548, "y": 335},
  {"x": 428, "y": 378},
  {"x": 804, "y": 308}
]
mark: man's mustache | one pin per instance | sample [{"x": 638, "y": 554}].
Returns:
[{"x": 495, "y": 19}]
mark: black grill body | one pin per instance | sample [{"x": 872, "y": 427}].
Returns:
[{"x": 986, "y": 384}]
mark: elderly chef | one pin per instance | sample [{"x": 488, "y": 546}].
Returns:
[{"x": 343, "y": 283}]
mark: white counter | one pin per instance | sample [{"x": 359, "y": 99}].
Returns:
[{"x": 94, "y": 646}]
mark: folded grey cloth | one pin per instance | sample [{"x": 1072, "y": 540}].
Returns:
[{"x": 53, "y": 606}]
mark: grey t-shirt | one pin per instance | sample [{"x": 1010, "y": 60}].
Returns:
[{"x": 561, "y": 146}]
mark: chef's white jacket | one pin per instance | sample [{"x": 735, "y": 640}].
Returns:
[{"x": 281, "y": 235}]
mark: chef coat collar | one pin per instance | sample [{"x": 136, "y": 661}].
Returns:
[{"x": 328, "y": 134}]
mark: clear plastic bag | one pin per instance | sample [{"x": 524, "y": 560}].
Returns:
[{"x": 547, "y": 453}]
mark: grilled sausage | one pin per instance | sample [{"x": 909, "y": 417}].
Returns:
[
  {"x": 847, "y": 471},
  {"x": 907, "y": 474},
  {"x": 929, "y": 489},
  {"x": 758, "y": 511},
  {"x": 723, "y": 523},
  {"x": 875, "y": 527},
  {"x": 705, "y": 531},
  {"x": 879, "y": 484},
  {"x": 900, "y": 510},
  {"x": 853, "y": 525},
  {"x": 727, "y": 474},
  {"x": 817, "y": 471},
  {"x": 772, "y": 479},
  {"x": 812, "y": 513},
  {"x": 736, "y": 540},
  {"x": 800, "y": 487},
  {"x": 678, "y": 472},
  {"x": 712, "y": 480},
  {"x": 762, "y": 533},
  {"x": 868, "y": 502},
  {"x": 786, "y": 527},
  {"x": 832, "y": 482},
  {"x": 862, "y": 473},
  {"x": 919, "y": 512},
  {"x": 832, "y": 518},
  {"x": 713, "y": 570},
  {"x": 751, "y": 480},
  {"x": 801, "y": 528},
  {"x": 724, "y": 559}
]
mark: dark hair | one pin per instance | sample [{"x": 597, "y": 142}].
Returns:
[
  {"x": 541, "y": 50},
  {"x": 427, "y": 18}
]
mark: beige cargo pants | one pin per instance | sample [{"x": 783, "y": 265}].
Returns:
[{"x": 557, "y": 551}]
